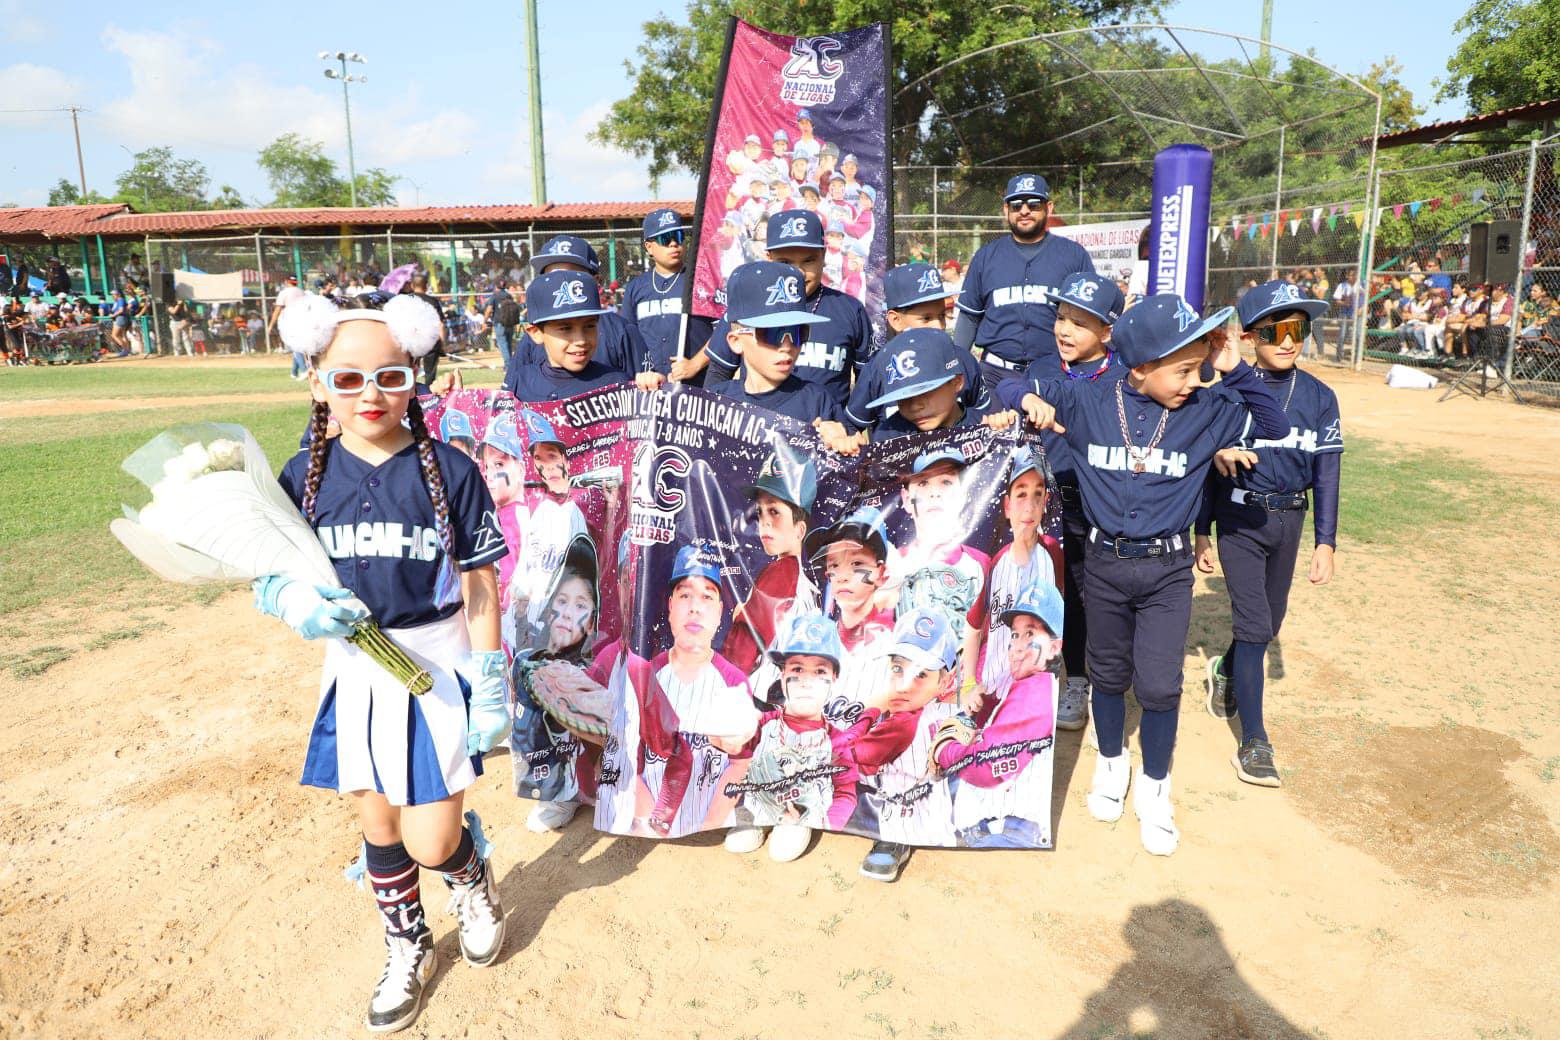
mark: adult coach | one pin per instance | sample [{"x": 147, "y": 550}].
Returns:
[{"x": 1004, "y": 313}]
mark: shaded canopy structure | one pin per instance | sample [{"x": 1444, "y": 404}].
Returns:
[{"x": 1106, "y": 98}]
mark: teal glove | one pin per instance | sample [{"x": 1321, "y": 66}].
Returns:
[
  {"x": 313, "y": 611},
  {"x": 487, "y": 719}
]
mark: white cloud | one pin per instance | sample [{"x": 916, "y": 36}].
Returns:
[
  {"x": 30, "y": 86},
  {"x": 579, "y": 169},
  {"x": 21, "y": 24}
]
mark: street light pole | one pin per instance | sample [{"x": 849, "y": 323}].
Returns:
[
  {"x": 533, "y": 62},
  {"x": 346, "y": 103}
]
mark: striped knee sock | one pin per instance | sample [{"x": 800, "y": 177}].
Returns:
[
  {"x": 465, "y": 868},
  {"x": 392, "y": 874}
]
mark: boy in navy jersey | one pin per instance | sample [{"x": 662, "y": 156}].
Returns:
[
  {"x": 766, "y": 319},
  {"x": 1144, "y": 441},
  {"x": 563, "y": 313},
  {"x": 923, "y": 376},
  {"x": 1260, "y": 513},
  {"x": 839, "y": 336},
  {"x": 619, "y": 344},
  {"x": 653, "y": 303}
]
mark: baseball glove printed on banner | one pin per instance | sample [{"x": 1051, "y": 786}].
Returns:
[{"x": 713, "y": 619}]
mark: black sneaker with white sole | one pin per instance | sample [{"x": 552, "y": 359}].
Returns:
[
  {"x": 480, "y": 918},
  {"x": 885, "y": 860},
  {"x": 409, "y": 965},
  {"x": 1221, "y": 698},
  {"x": 1254, "y": 764}
]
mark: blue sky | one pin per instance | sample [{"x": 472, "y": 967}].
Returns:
[{"x": 445, "y": 104}]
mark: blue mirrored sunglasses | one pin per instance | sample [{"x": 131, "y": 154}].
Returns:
[{"x": 674, "y": 237}]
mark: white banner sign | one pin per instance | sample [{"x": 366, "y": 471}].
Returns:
[{"x": 1111, "y": 245}]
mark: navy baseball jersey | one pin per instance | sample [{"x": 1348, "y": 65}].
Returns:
[
  {"x": 1005, "y": 293},
  {"x": 1155, "y": 488},
  {"x": 1057, "y": 453},
  {"x": 832, "y": 352},
  {"x": 801, "y": 400},
  {"x": 378, "y": 526},
  {"x": 897, "y": 425},
  {"x": 618, "y": 346},
  {"x": 869, "y": 387},
  {"x": 546, "y": 382},
  {"x": 654, "y": 308}
]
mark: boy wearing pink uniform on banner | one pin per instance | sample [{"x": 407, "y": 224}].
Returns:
[
  {"x": 851, "y": 559},
  {"x": 1030, "y": 559},
  {"x": 709, "y": 697},
  {"x": 552, "y": 520},
  {"x": 1002, "y": 795},
  {"x": 793, "y": 783}
]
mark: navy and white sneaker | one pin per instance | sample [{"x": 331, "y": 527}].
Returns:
[{"x": 1254, "y": 764}]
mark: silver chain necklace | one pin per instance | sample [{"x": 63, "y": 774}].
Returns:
[
  {"x": 1138, "y": 456},
  {"x": 655, "y": 282}
]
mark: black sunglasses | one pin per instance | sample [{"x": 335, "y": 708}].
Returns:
[{"x": 1034, "y": 205}]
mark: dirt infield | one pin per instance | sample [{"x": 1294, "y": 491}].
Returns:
[{"x": 163, "y": 875}]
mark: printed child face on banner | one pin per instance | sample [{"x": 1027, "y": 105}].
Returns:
[
  {"x": 571, "y": 614},
  {"x": 504, "y": 474},
  {"x": 911, "y": 687},
  {"x": 780, "y": 529},
  {"x": 552, "y": 467},
  {"x": 1032, "y": 649},
  {"x": 693, "y": 612},
  {"x": 854, "y": 574},
  {"x": 935, "y": 500},
  {"x": 808, "y": 682},
  {"x": 1024, "y": 505}
]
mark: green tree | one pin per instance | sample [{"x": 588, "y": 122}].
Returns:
[
  {"x": 1509, "y": 55},
  {"x": 227, "y": 197},
  {"x": 159, "y": 182},
  {"x": 65, "y": 193},
  {"x": 302, "y": 175}
]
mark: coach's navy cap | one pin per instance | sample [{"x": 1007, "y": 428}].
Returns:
[
  {"x": 790, "y": 477},
  {"x": 695, "y": 560},
  {"x": 567, "y": 249},
  {"x": 561, "y": 294},
  {"x": 918, "y": 360},
  {"x": 1027, "y": 186},
  {"x": 924, "y": 638},
  {"x": 794, "y": 229},
  {"x": 910, "y": 284},
  {"x": 1158, "y": 326},
  {"x": 768, "y": 295},
  {"x": 1040, "y": 600},
  {"x": 660, "y": 221},
  {"x": 865, "y": 526},
  {"x": 1094, "y": 293},
  {"x": 1277, "y": 295},
  {"x": 811, "y": 634}
]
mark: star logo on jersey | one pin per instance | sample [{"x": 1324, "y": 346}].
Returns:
[
  {"x": 1286, "y": 293},
  {"x": 570, "y": 293},
  {"x": 1334, "y": 432},
  {"x": 796, "y": 227},
  {"x": 901, "y": 366},
  {"x": 1185, "y": 317},
  {"x": 783, "y": 291},
  {"x": 930, "y": 282}
]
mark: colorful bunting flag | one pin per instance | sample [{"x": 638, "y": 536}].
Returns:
[
  {"x": 1397, "y": 211},
  {"x": 1316, "y": 220},
  {"x": 1294, "y": 225},
  {"x": 1332, "y": 222},
  {"x": 1435, "y": 204},
  {"x": 1413, "y": 208}
]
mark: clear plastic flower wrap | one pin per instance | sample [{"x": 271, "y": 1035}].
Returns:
[{"x": 214, "y": 513}]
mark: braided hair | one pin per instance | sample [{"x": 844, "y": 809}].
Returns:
[
  {"x": 319, "y": 447},
  {"x": 432, "y": 476}
]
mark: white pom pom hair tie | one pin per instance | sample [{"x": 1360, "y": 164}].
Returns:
[{"x": 308, "y": 324}]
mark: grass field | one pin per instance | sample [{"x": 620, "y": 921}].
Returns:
[{"x": 134, "y": 378}]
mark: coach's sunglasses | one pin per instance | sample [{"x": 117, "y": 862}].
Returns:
[
  {"x": 392, "y": 379},
  {"x": 1033, "y": 205},
  {"x": 670, "y": 238},
  {"x": 1297, "y": 329}
]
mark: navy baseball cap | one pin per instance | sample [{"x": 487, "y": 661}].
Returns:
[
  {"x": 455, "y": 423},
  {"x": 918, "y": 360},
  {"x": 788, "y": 476},
  {"x": 811, "y": 634},
  {"x": 1094, "y": 293},
  {"x": 695, "y": 561},
  {"x": 502, "y": 434},
  {"x": 794, "y": 229},
  {"x": 660, "y": 221},
  {"x": 1040, "y": 600},
  {"x": 539, "y": 431},
  {"x": 927, "y": 459},
  {"x": 1027, "y": 186},
  {"x": 924, "y": 638},
  {"x": 1158, "y": 326},
  {"x": 561, "y": 294},
  {"x": 1277, "y": 295},
  {"x": 910, "y": 284},
  {"x": 864, "y": 526},
  {"x": 768, "y": 295},
  {"x": 567, "y": 249}
]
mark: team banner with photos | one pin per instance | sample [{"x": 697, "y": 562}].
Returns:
[
  {"x": 800, "y": 122},
  {"x": 713, "y": 620}
]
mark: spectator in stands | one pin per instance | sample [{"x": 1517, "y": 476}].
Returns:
[
  {"x": 503, "y": 314},
  {"x": 1538, "y": 310},
  {"x": 1435, "y": 278},
  {"x": 1477, "y": 308},
  {"x": 15, "y": 324},
  {"x": 1343, "y": 296},
  {"x": 56, "y": 279},
  {"x": 1503, "y": 311},
  {"x": 1456, "y": 323},
  {"x": 134, "y": 271}
]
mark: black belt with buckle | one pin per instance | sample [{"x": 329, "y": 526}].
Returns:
[
  {"x": 985, "y": 354},
  {"x": 1139, "y": 548},
  {"x": 1272, "y": 501}
]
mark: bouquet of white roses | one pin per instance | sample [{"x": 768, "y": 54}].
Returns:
[{"x": 216, "y": 513}]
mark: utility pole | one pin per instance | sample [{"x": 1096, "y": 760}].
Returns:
[
  {"x": 533, "y": 61},
  {"x": 346, "y": 103},
  {"x": 1267, "y": 26},
  {"x": 81, "y": 167}
]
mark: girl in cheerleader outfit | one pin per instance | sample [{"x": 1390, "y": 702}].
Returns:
[{"x": 413, "y": 534}]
